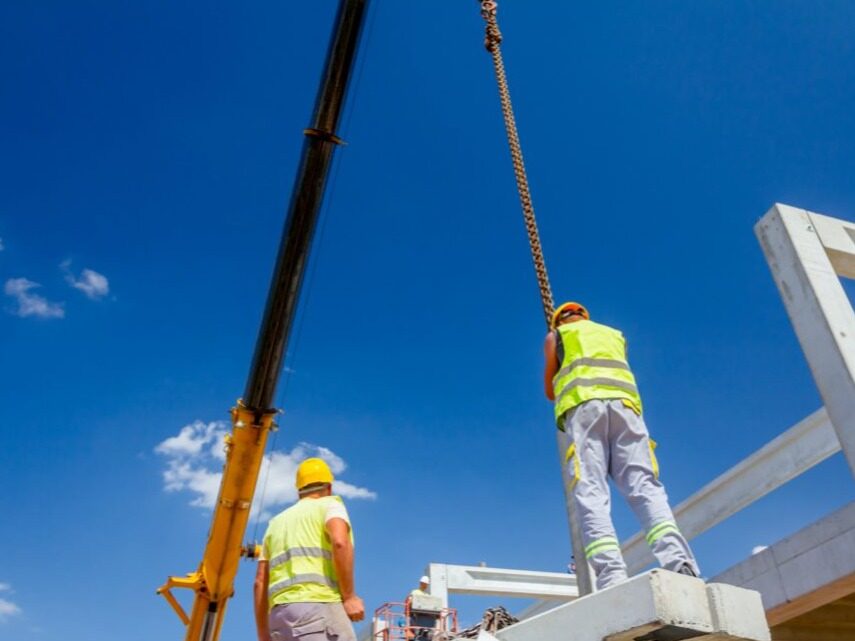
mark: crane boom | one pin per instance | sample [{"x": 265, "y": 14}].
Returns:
[{"x": 253, "y": 416}]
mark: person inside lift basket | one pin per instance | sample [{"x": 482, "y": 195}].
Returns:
[{"x": 422, "y": 624}]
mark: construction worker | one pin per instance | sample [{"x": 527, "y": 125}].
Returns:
[
  {"x": 422, "y": 590},
  {"x": 304, "y": 583},
  {"x": 422, "y": 624},
  {"x": 598, "y": 406}
]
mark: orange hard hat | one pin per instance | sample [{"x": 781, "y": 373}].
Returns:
[{"x": 569, "y": 307}]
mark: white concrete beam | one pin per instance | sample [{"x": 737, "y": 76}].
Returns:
[
  {"x": 803, "y": 446},
  {"x": 817, "y": 305},
  {"x": 838, "y": 240},
  {"x": 465, "y": 579},
  {"x": 584, "y": 572},
  {"x": 655, "y": 605}
]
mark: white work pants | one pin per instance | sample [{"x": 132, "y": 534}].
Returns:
[{"x": 611, "y": 440}]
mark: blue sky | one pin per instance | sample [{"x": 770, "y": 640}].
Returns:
[{"x": 155, "y": 145}]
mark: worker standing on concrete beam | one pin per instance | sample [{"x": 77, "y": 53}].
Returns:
[
  {"x": 598, "y": 405},
  {"x": 304, "y": 583}
]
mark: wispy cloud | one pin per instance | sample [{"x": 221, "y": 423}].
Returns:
[
  {"x": 30, "y": 304},
  {"x": 2, "y": 246},
  {"x": 7, "y": 608},
  {"x": 90, "y": 282},
  {"x": 194, "y": 459}
]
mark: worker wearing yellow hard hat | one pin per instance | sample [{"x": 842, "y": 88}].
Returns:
[
  {"x": 598, "y": 406},
  {"x": 304, "y": 587}
]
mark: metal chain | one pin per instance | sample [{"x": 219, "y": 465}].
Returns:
[
  {"x": 493, "y": 38},
  {"x": 494, "y": 619}
]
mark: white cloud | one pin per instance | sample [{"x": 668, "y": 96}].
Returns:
[
  {"x": 191, "y": 439},
  {"x": 757, "y": 549},
  {"x": 194, "y": 459},
  {"x": 30, "y": 304},
  {"x": 7, "y": 608},
  {"x": 90, "y": 282}
]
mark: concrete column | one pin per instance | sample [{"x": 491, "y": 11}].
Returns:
[
  {"x": 438, "y": 575},
  {"x": 584, "y": 575},
  {"x": 806, "y": 252}
]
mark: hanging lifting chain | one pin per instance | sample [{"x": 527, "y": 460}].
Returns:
[{"x": 493, "y": 39}]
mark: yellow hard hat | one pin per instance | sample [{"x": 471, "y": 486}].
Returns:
[
  {"x": 313, "y": 471},
  {"x": 571, "y": 306}
]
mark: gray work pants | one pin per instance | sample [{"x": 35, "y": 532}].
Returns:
[
  {"x": 611, "y": 440},
  {"x": 310, "y": 622}
]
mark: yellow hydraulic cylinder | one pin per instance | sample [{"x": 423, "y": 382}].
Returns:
[{"x": 213, "y": 583}]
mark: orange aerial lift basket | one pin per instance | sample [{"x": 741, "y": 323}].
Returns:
[{"x": 398, "y": 622}]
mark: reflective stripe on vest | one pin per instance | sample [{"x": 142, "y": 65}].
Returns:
[
  {"x": 277, "y": 587},
  {"x": 593, "y": 382},
  {"x": 289, "y": 554},
  {"x": 592, "y": 362},
  {"x": 594, "y": 366},
  {"x": 300, "y": 555}
]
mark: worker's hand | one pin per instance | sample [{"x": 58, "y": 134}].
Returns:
[{"x": 355, "y": 608}]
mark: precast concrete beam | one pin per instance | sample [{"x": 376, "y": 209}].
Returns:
[
  {"x": 838, "y": 240},
  {"x": 655, "y": 606},
  {"x": 807, "y": 253},
  {"x": 446, "y": 579}
]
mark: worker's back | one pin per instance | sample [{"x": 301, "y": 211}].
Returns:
[
  {"x": 593, "y": 365},
  {"x": 299, "y": 551}
]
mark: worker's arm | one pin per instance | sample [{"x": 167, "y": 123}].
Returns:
[
  {"x": 262, "y": 624},
  {"x": 342, "y": 552},
  {"x": 550, "y": 367}
]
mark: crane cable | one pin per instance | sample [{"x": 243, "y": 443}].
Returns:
[{"x": 492, "y": 41}]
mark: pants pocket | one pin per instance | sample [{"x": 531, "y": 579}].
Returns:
[
  {"x": 571, "y": 460},
  {"x": 313, "y": 626},
  {"x": 651, "y": 444}
]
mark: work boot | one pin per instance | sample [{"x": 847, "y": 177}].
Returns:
[{"x": 687, "y": 570}]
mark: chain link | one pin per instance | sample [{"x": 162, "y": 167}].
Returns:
[{"x": 492, "y": 42}]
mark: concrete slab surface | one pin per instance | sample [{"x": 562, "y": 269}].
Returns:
[{"x": 803, "y": 572}]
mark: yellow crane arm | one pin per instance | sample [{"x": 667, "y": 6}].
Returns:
[
  {"x": 253, "y": 416},
  {"x": 213, "y": 582}
]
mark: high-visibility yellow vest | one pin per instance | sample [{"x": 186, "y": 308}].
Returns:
[
  {"x": 593, "y": 366},
  {"x": 299, "y": 552}
]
